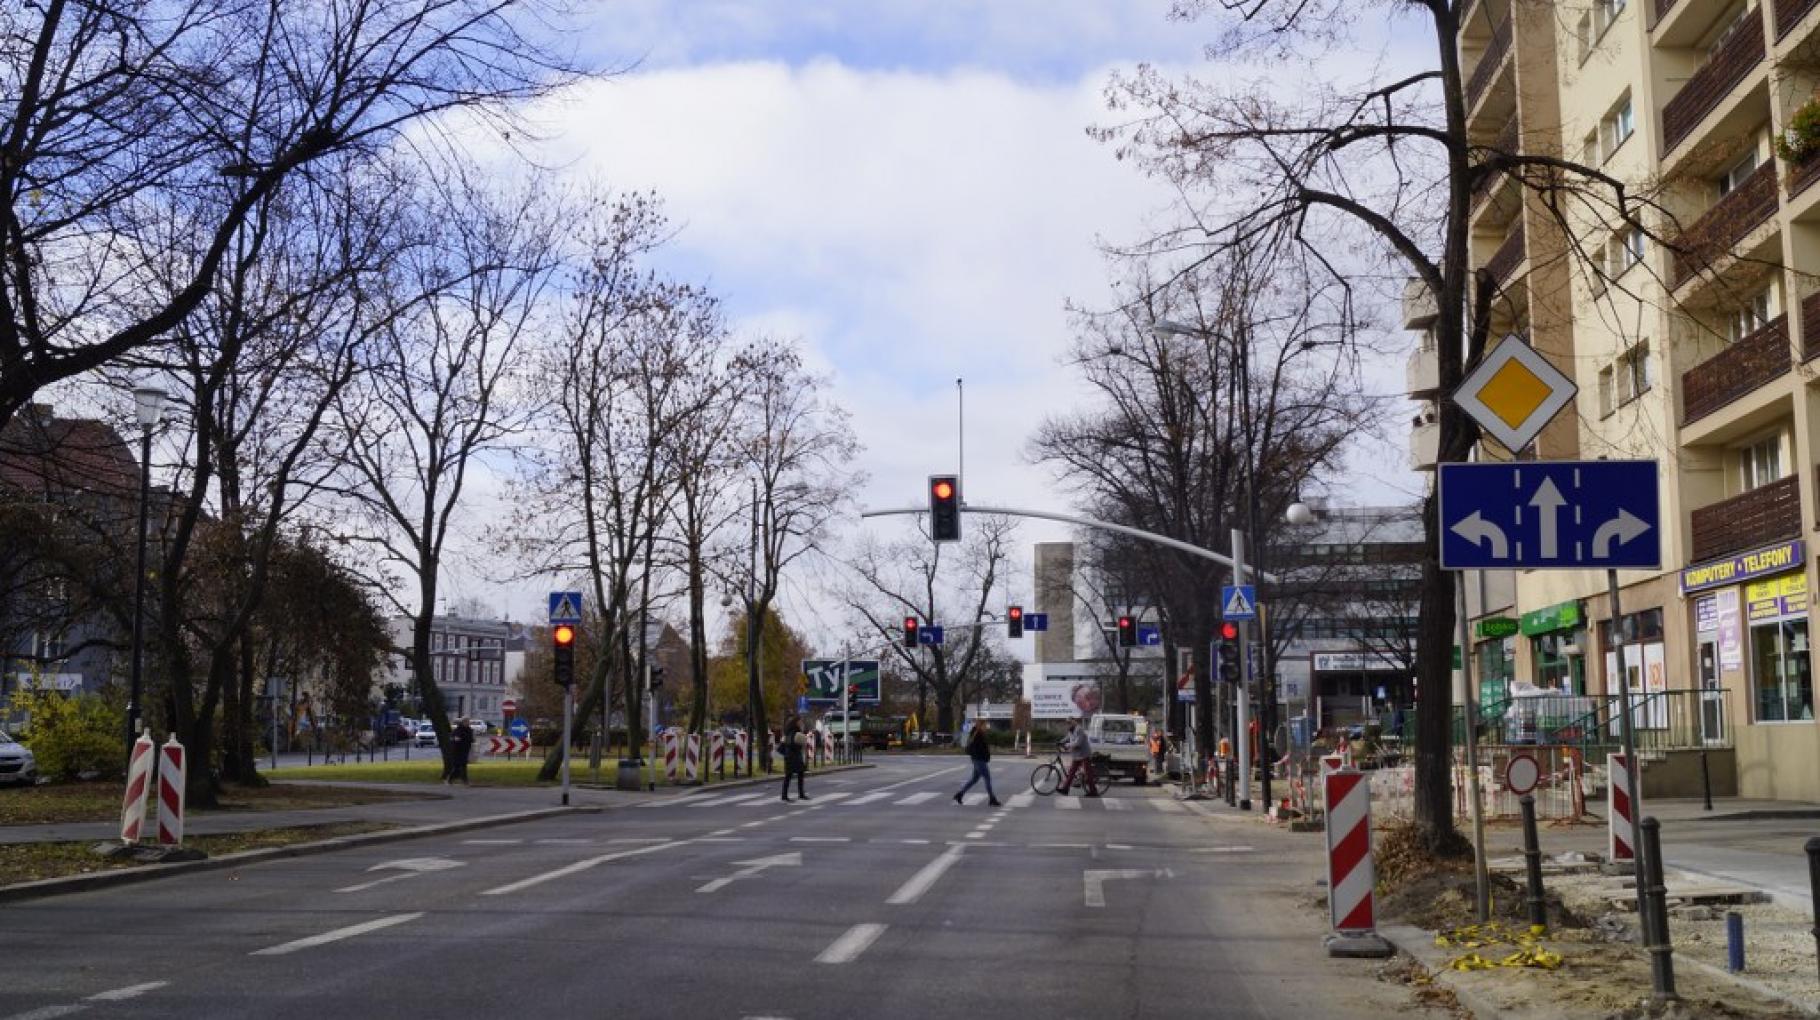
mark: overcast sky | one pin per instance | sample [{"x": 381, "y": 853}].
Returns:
[{"x": 905, "y": 185}]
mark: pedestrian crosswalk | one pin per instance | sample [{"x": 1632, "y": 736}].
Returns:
[{"x": 898, "y": 799}]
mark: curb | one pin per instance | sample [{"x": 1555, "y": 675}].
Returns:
[
  {"x": 1419, "y": 945},
  {"x": 1761, "y": 814},
  {"x": 127, "y": 876}
]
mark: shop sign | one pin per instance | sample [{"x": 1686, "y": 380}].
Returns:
[
  {"x": 1354, "y": 662},
  {"x": 1731, "y": 630},
  {"x": 1776, "y": 597},
  {"x": 1496, "y": 627},
  {"x": 1774, "y": 559},
  {"x": 1565, "y": 616},
  {"x": 1706, "y": 615}
]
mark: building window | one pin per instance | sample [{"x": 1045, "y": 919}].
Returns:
[
  {"x": 1605, "y": 15},
  {"x": 1783, "y": 684},
  {"x": 1636, "y": 372},
  {"x": 1617, "y": 127},
  {"x": 1760, "y": 463},
  {"x": 1625, "y": 249},
  {"x": 1753, "y": 316},
  {"x": 1557, "y": 669},
  {"x": 1739, "y": 172},
  {"x": 1589, "y": 149}
]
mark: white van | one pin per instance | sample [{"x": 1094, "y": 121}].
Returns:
[{"x": 1123, "y": 742}]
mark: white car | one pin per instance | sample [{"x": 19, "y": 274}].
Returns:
[
  {"x": 17, "y": 763},
  {"x": 426, "y": 736}
]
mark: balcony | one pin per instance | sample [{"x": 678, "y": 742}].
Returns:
[
  {"x": 1422, "y": 376},
  {"x": 1507, "y": 258},
  {"x": 1424, "y": 443},
  {"x": 1489, "y": 62},
  {"x": 1810, "y": 326},
  {"x": 1506, "y": 144},
  {"x": 1742, "y": 367},
  {"x": 1719, "y": 230},
  {"x": 1663, "y": 7},
  {"x": 1766, "y": 514},
  {"x": 1727, "y": 65},
  {"x": 1789, "y": 14}
]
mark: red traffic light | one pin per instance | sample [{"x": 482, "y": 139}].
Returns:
[
  {"x": 1017, "y": 612},
  {"x": 1229, "y": 631},
  {"x": 942, "y": 489},
  {"x": 1124, "y": 623},
  {"x": 563, "y": 635}
]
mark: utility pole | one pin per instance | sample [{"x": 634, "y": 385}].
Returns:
[{"x": 1242, "y": 739}]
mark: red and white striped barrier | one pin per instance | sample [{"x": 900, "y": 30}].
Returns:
[
  {"x": 717, "y": 753},
  {"x": 173, "y": 771},
  {"x": 138, "y": 789},
  {"x": 1621, "y": 826},
  {"x": 1349, "y": 870},
  {"x": 508, "y": 745},
  {"x": 671, "y": 765},
  {"x": 692, "y": 761},
  {"x": 742, "y": 746}
]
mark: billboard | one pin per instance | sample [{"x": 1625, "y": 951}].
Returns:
[
  {"x": 1065, "y": 699},
  {"x": 822, "y": 679}
]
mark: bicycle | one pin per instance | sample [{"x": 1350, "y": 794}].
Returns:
[{"x": 1046, "y": 778}]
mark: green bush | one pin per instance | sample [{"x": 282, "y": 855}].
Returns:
[
  {"x": 1800, "y": 139},
  {"x": 73, "y": 736}
]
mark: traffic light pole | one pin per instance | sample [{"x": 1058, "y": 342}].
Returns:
[
  {"x": 568, "y": 723},
  {"x": 1242, "y": 739}
]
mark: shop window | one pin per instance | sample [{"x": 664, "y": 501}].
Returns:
[
  {"x": 1556, "y": 668},
  {"x": 1497, "y": 665},
  {"x": 1781, "y": 676}
]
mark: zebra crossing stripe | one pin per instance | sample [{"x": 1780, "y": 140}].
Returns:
[
  {"x": 1067, "y": 804},
  {"x": 866, "y": 798},
  {"x": 1168, "y": 807},
  {"x": 1024, "y": 799},
  {"x": 918, "y": 798},
  {"x": 974, "y": 799},
  {"x": 1116, "y": 805},
  {"x": 714, "y": 801}
]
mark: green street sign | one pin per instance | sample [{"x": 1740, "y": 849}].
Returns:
[
  {"x": 1496, "y": 627},
  {"x": 822, "y": 679}
]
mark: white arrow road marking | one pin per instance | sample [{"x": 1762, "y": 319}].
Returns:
[
  {"x": 129, "y": 992},
  {"x": 49, "y": 1012},
  {"x": 337, "y": 935},
  {"x": 1093, "y": 882},
  {"x": 578, "y": 867},
  {"x": 852, "y": 942},
  {"x": 1547, "y": 501},
  {"x": 411, "y": 866},
  {"x": 920, "y": 882},
  {"x": 1620, "y": 529},
  {"x": 793, "y": 859},
  {"x": 1478, "y": 531}
]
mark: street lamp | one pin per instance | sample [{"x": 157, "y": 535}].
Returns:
[
  {"x": 1299, "y": 513},
  {"x": 148, "y": 406}
]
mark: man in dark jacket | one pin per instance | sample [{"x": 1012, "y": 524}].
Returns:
[
  {"x": 980, "y": 751},
  {"x": 795, "y": 761},
  {"x": 461, "y": 745}
]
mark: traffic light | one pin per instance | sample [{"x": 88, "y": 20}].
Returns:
[
  {"x": 945, "y": 508},
  {"x": 562, "y": 647},
  {"x": 657, "y": 677},
  {"x": 910, "y": 629},
  {"x": 1229, "y": 652},
  {"x": 1014, "y": 622},
  {"x": 1127, "y": 632}
]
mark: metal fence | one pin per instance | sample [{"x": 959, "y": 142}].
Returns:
[{"x": 1567, "y": 782}]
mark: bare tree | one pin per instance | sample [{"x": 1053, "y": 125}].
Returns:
[{"x": 116, "y": 113}]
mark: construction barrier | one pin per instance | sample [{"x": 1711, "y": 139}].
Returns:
[
  {"x": 742, "y": 747},
  {"x": 1621, "y": 827},
  {"x": 671, "y": 765},
  {"x": 717, "y": 754},
  {"x": 173, "y": 771},
  {"x": 138, "y": 789},
  {"x": 1560, "y": 795},
  {"x": 692, "y": 759},
  {"x": 1349, "y": 866}
]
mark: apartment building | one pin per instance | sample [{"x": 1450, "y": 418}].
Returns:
[
  {"x": 1696, "y": 352},
  {"x": 468, "y": 660}
]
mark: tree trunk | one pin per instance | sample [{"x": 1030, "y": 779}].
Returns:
[
  {"x": 698, "y": 643},
  {"x": 759, "y": 727}
]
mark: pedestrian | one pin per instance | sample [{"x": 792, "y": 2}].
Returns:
[
  {"x": 1156, "y": 748},
  {"x": 796, "y": 748},
  {"x": 461, "y": 744},
  {"x": 980, "y": 750},
  {"x": 1080, "y": 759}
]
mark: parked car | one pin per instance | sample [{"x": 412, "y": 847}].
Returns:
[
  {"x": 426, "y": 736},
  {"x": 17, "y": 763},
  {"x": 406, "y": 729}
]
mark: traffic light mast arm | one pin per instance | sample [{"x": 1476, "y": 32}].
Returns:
[{"x": 1087, "y": 522}]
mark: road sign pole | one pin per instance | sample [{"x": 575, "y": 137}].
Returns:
[
  {"x": 1242, "y": 739},
  {"x": 568, "y": 722},
  {"x": 1470, "y": 704},
  {"x": 846, "y": 703},
  {"x": 1628, "y": 738}
]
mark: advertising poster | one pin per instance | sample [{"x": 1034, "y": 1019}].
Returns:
[
  {"x": 1731, "y": 630},
  {"x": 1065, "y": 699}
]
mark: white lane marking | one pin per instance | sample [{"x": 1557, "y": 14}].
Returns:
[
  {"x": 821, "y": 839},
  {"x": 955, "y": 843},
  {"x": 640, "y": 839},
  {"x": 867, "y": 798},
  {"x": 1061, "y": 846},
  {"x": 1067, "y": 803},
  {"x": 49, "y": 1012},
  {"x": 914, "y": 842},
  {"x": 974, "y": 799},
  {"x": 1024, "y": 799},
  {"x": 129, "y": 992},
  {"x": 793, "y": 859},
  {"x": 828, "y": 798},
  {"x": 734, "y": 799},
  {"x": 1220, "y": 850},
  {"x": 976, "y": 835},
  {"x": 337, "y": 935},
  {"x": 748, "y": 825},
  {"x": 1168, "y": 807},
  {"x": 362, "y": 887},
  {"x": 1118, "y": 846},
  {"x": 720, "y": 839},
  {"x": 565, "y": 841},
  {"x": 921, "y": 779},
  {"x": 722, "y": 832},
  {"x": 1093, "y": 883},
  {"x": 918, "y": 798},
  {"x": 852, "y": 942},
  {"x": 494, "y": 842},
  {"x": 578, "y": 867},
  {"x": 1115, "y": 805},
  {"x": 920, "y": 882}
]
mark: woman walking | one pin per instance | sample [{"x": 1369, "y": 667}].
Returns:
[
  {"x": 980, "y": 751},
  {"x": 795, "y": 745}
]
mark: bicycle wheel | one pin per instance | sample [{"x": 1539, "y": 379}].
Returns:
[
  {"x": 1102, "y": 776},
  {"x": 1045, "y": 779}
]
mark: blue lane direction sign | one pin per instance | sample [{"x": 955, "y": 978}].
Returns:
[
  {"x": 1564, "y": 515},
  {"x": 1036, "y": 621},
  {"x": 565, "y": 607},
  {"x": 929, "y": 636},
  {"x": 519, "y": 728},
  {"x": 1150, "y": 635},
  {"x": 1239, "y": 602}
]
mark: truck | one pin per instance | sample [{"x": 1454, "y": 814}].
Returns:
[
  {"x": 873, "y": 732},
  {"x": 1122, "y": 742}
]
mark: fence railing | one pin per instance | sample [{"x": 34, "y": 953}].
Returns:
[{"x": 1663, "y": 721}]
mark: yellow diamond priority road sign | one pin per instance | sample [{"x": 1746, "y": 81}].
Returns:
[{"x": 1514, "y": 392}]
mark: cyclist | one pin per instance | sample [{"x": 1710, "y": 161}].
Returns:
[{"x": 1080, "y": 759}]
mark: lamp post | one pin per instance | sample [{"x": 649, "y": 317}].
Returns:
[{"x": 148, "y": 406}]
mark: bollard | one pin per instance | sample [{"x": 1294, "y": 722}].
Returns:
[
  {"x": 1232, "y": 782},
  {"x": 1813, "y": 881},
  {"x": 1655, "y": 920},
  {"x": 1532, "y": 858},
  {"x": 1351, "y": 878},
  {"x": 140, "y": 777},
  {"x": 1734, "y": 941},
  {"x": 173, "y": 777}
]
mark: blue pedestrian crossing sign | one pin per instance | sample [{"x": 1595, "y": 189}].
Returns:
[
  {"x": 1036, "y": 621},
  {"x": 1565, "y": 515},
  {"x": 565, "y": 607},
  {"x": 1239, "y": 602}
]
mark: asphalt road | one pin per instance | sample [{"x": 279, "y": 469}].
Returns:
[{"x": 879, "y": 897}]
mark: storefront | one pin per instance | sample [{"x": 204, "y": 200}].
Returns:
[
  {"x": 1360, "y": 687},
  {"x": 1495, "y": 659},
  {"x": 1557, "y": 642},
  {"x": 1750, "y": 621},
  {"x": 1645, "y": 666}
]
